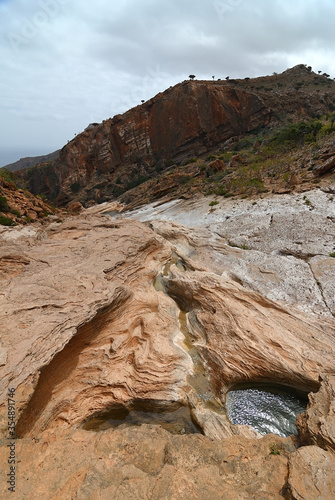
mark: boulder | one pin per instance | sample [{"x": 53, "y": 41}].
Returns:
[
  {"x": 325, "y": 167},
  {"x": 217, "y": 165},
  {"x": 32, "y": 215},
  {"x": 75, "y": 206}
]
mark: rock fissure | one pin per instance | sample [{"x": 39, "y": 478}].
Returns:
[{"x": 319, "y": 285}]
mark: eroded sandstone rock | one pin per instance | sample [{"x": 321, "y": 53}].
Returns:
[
  {"x": 311, "y": 474},
  {"x": 277, "y": 246},
  {"x": 317, "y": 424},
  {"x": 98, "y": 314},
  {"x": 148, "y": 462}
]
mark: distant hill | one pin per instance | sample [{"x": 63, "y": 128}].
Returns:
[{"x": 30, "y": 161}]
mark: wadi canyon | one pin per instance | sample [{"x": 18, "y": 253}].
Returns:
[{"x": 125, "y": 328}]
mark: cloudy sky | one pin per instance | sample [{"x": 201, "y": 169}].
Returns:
[{"x": 66, "y": 63}]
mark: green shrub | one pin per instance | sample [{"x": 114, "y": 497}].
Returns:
[
  {"x": 15, "y": 212},
  {"x": 225, "y": 156},
  {"x": 286, "y": 176},
  {"x": 220, "y": 191},
  {"x": 212, "y": 203},
  {"x": 275, "y": 449},
  {"x": 6, "y": 221},
  {"x": 243, "y": 247},
  {"x": 191, "y": 160},
  {"x": 297, "y": 133},
  {"x": 332, "y": 255},
  {"x": 183, "y": 179},
  {"x": 7, "y": 175},
  {"x": 257, "y": 184},
  {"x": 243, "y": 144},
  {"x": 3, "y": 203}
]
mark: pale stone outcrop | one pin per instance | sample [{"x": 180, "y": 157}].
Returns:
[{"x": 279, "y": 246}]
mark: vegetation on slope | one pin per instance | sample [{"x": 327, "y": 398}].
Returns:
[{"x": 259, "y": 162}]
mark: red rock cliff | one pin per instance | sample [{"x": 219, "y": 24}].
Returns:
[{"x": 184, "y": 121}]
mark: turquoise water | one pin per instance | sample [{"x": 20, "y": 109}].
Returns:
[{"x": 265, "y": 409}]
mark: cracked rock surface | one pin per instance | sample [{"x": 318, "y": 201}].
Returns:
[{"x": 278, "y": 245}]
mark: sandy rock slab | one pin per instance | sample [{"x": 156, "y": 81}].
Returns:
[
  {"x": 311, "y": 474},
  {"x": 97, "y": 316},
  {"x": 147, "y": 462},
  {"x": 81, "y": 323}
]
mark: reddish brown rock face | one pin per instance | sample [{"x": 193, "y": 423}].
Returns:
[{"x": 187, "y": 120}]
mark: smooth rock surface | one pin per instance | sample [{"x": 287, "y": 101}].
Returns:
[{"x": 278, "y": 246}]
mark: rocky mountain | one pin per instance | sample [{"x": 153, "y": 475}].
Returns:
[
  {"x": 19, "y": 206},
  {"x": 192, "y": 119},
  {"x": 30, "y": 161}
]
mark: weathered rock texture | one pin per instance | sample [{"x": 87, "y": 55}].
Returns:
[
  {"x": 311, "y": 474},
  {"x": 317, "y": 424},
  {"x": 100, "y": 314},
  {"x": 150, "y": 463},
  {"x": 182, "y": 122},
  {"x": 279, "y": 246}
]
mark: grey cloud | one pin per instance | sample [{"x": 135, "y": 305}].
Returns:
[{"x": 89, "y": 60}]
